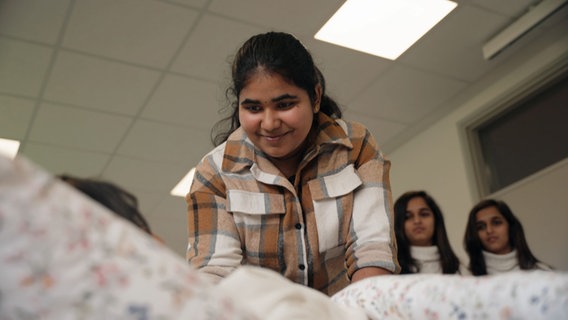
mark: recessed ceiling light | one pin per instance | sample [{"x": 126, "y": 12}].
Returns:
[
  {"x": 182, "y": 188},
  {"x": 9, "y": 147},
  {"x": 385, "y": 28}
]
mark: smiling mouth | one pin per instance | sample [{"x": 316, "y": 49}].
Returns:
[{"x": 274, "y": 137}]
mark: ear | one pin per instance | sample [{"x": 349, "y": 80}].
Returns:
[{"x": 317, "y": 101}]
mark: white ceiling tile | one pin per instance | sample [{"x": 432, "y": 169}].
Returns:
[
  {"x": 131, "y": 30},
  {"x": 154, "y": 141},
  {"x": 186, "y": 101},
  {"x": 16, "y": 116},
  {"x": 169, "y": 222},
  {"x": 100, "y": 84},
  {"x": 76, "y": 128},
  {"x": 22, "y": 66},
  {"x": 381, "y": 129},
  {"x": 59, "y": 160},
  {"x": 36, "y": 20},
  {"x": 192, "y": 3},
  {"x": 463, "y": 59},
  {"x": 136, "y": 174},
  {"x": 147, "y": 200},
  {"x": 171, "y": 209},
  {"x": 294, "y": 16},
  {"x": 173, "y": 238},
  {"x": 346, "y": 72},
  {"x": 172, "y": 234},
  {"x": 510, "y": 8},
  {"x": 406, "y": 95},
  {"x": 209, "y": 50}
]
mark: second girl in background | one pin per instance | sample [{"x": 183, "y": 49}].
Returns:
[
  {"x": 495, "y": 240},
  {"x": 423, "y": 245}
]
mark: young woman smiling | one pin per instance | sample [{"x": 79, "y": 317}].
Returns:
[{"x": 290, "y": 186}]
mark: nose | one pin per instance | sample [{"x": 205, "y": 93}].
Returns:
[
  {"x": 416, "y": 219},
  {"x": 271, "y": 120}
]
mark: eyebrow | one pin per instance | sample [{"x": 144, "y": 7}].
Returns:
[{"x": 277, "y": 99}]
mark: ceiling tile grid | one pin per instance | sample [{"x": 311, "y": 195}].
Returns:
[
  {"x": 16, "y": 116},
  {"x": 453, "y": 47},
  {"x": 133, "y": 173},
  {"x": 36, "y": 20},
  {"x": 185, "y": 101},
  {"x": 23, "y": 66},
  {"x": 100, "y": 84},
  {"x": 76, "y": 128},
  {"x": 138, "y": 31},
  {"x": 207, "y": 52},
  {"x": 65, "y": 160},
  {"x": 148, "y": 140},
  {"x": 405, "y": 94}
]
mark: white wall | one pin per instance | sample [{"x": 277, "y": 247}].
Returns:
[{"x": 436, "y": 161}]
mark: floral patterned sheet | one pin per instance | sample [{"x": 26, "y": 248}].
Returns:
[
  {"x": 63, "y": 256},
  {"x": 515, "y": 295}
]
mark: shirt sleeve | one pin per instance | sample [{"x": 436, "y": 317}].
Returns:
[
  {"x": 371, "y": 241},
  {"x": 214, "y": 246}
]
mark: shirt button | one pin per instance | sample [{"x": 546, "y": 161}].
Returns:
[
  {"x": 302, "y": 267},
  {"x": 298, "y": 226}
]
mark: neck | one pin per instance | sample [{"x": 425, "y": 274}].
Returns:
[{"x": 289, "y": 164}]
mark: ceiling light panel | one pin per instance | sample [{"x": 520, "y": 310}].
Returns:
[
  {"x": 385, "y": 28},
  {"x": 9, "y": 147},
  {"x": 182, "y": 188}
]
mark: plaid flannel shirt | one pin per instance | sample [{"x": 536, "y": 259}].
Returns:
[{"x": 333, "y": 220}]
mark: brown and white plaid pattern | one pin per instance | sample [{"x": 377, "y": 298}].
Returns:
[{"x": 335, "y": 219}]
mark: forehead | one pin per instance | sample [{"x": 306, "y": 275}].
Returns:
[
  {"x": 264, "y": 84},
  {"x": 416, "y": 203},
  {"x": 487, "y": 214}
]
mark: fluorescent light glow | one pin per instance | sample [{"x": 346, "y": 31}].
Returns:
[
  {"x": 385, "y": 28},
  {"x": 182, "y": 188},
  {"x": 9, "y": 147}
]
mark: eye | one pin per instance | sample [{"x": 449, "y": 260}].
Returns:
[
  {"x": 286, "y": 105},
  {"x": 425, "y": 214},
  {"x": 252, "y": 108},
  {"x": 480, "y": 227},
  {"x": 497, "y": 222}
]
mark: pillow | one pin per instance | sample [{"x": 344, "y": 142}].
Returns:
[
  {"x": 273, "y": 296},
  {"x": 64, "y": 256},
  {"x": 514, "y": 295}
]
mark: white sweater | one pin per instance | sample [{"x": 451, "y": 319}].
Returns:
[
  {"x": 499, "y": 263},
  {"x": 428, "y": 259}
]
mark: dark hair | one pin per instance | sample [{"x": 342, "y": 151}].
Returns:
[
  {"x": 517, "y": 240},
  {"x": 111, "y": 196},
  {"x": 448, "y": 259},
  {"x": 273, "y": 52}
]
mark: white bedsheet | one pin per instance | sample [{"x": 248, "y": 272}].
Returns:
[
  {"x": 515, "y": 295},
  {"x": 63, "y": 256}
]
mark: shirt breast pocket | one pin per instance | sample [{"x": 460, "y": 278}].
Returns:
[
  {"x": 257, "y": 219},
  {"x": 332, "y": 198},
  {"x": 251, "y": 208}
]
